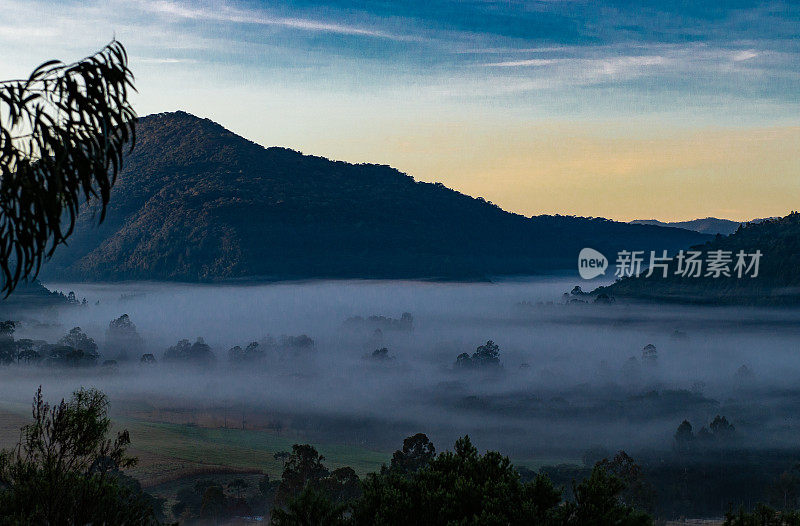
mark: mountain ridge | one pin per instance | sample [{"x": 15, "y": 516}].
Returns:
[
  {"x": 705, "y": 225},
  {"x": 196, "y": 202}
]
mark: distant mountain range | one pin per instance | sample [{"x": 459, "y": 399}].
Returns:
[
  {"x": 196, "y": 202},
  {"x": 708, "y": 225},
  {"x": 777, "y": 282}
]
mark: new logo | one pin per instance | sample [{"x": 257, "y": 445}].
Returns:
[{"x": 591, "y": 263}]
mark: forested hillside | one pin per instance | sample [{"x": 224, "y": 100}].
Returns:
[
  {"x": 196, "y": 202},
  {"x": 777, "y": 281}
]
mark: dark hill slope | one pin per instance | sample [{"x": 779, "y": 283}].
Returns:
[
  {"x": 197, "y": 202},
  {"x": 778, "y": 280}
]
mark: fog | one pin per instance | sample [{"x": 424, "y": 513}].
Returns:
[{"x": 579, "y": 389}]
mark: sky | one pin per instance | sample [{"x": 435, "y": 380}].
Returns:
[{"x": 628, "y": 110}]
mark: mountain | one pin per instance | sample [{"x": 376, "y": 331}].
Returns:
[
  {"x": 777, "y": 282},
  {"x": 708, "y": 225},
  {"x": 196, "y": 202}
]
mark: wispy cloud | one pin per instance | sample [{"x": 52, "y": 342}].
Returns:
[
  {"x": 164, "y": 60},
  {"x": 521, "y": 63},
  {"x": 225, "y": 13},
  {"x": 747, "y": 54}
]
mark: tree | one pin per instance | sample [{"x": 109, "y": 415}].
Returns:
[
  {"x": 213, "y": 503},
  {"x": 77, "y": 339},
  {"x": 235, "y": 354},
  {"x": 267, "y": 489},
  {"x": 147, "y": 359},
  {"x": 464, "y": 361},
  {"x": 7, "y": 328},
  {"x": 649, "y": 355},
  {"x": 684, "y": 438},
  {"x": 342, "y": 485},
  {"x": 458, "y": 487},
  {"x": 722, "y": 429},
  {"x": 197, "y": 353},
  {"x": 63, "y": 133},
  {"x": 252, "y": 353},
  {"x": 310, "y": 508},
  {"x": 75, "y": 349},
  {"x": 282, "y": 457},
  {"x": 487, "y": 354},
  {"x": 122, "y": 338},
  {"x": 190, "y": 500},
  {"x": 381, "y": 355},
  {"x": 417, "y": 452},
  {"x": 637, "y": 492},
  {"x": 8, "y": 348},
  {"x": 238, "y": 485},
  {"x": 784, "y": 489},
  {"x": 597, "y": 502},
  {"x": 29, "y": 356},
  {"x": 65, "y": 468},
  {"x": 303, "y": 467}
]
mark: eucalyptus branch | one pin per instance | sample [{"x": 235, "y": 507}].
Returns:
[{"x": 63, "y": 134}]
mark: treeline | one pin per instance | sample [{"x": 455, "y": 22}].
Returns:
[
  {"x": 123, "y": 343},
  {"x": 418, "y": 487},
  {"x": 708, "y": 473},
  {"x": 68, "y": 468}
]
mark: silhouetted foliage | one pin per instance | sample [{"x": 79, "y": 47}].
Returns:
[
  {"x": 310, "y": 508},
  {"x": 8, "y": 347},
  {"x": 65, "y": 469},
  {"x": 252, "y": 353},
  {"x": 197, "y": 353},
  {"x": 417, "y": 452},
  {"x": 62, "y": 138},
  {"x": 381, "y": 355},
  {"x": 598, "y": 502},
  {"x": 122, "y": 339},
  {"x": 684, "y": 437},
  {"x": 459, "y": 487},
  {"x": 485, "y": 356},
  {"x": 303, "y": 467},
  {"x": 77, "y": 339},
  {"x": 638, "y": 492}
]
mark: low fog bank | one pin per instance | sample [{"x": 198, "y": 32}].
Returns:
[{"x": 570, "y": 377}]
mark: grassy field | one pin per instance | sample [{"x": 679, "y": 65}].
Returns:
[{"x": 168, "y": 452}]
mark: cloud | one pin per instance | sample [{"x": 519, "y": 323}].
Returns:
[
  {"x": 261, "y": 17},
  {"x": 20, "y": 33},
  {"x": 519, "y": 63},
  {"x": 744, "y": 55},
  {"x": 164, "y": 60}
]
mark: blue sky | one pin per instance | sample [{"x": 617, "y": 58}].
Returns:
[{"x": 622, "y": 109}]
